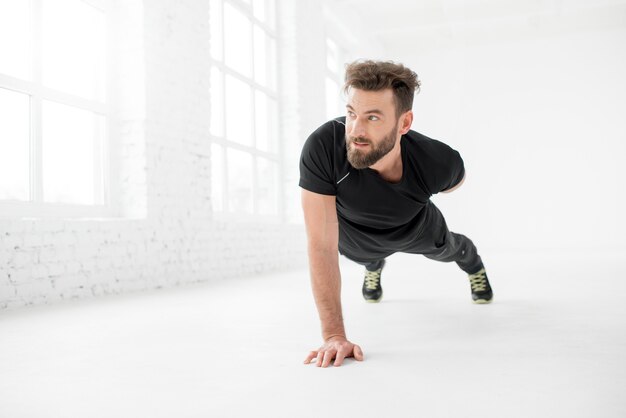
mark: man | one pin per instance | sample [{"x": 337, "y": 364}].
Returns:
[{"x": 367, "y": 180}]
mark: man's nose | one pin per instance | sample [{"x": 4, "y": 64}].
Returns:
[{"x": 357, "y": 128}]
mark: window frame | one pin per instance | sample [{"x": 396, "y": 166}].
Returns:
[
  {"x": 35, "y": 207},
  {"x": 276, "y": 157}
]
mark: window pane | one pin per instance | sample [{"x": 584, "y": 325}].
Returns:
[
  {"x": 264, "y": 58},
  {"x": 264, "y": 11},
  {"x": 332, "y": 99},
  {"x": 217, "y": 102},
  {"x": 238, "y": 40},
  {"x": 271, "y": 63},
  {"x": 73, "y": 48},
  {"x": 268, "y": 186},
  {"x": 260, "y": 56},
  {"x": 271, "y": 13},
  {"x": 14, "y": 145},
  {"x": 215, "y": 20},
  {"x": 332, "y": 59},
  {"x": 217, "y": 177},
  {"x": 266, "y": 122},
  {"x": 15, "y": 40},
  {"x": 238, "y": 111},
  {"x": 259, "y": 9},
  {"x": 240, "y": 178},
  {"x": 69, "y": 138}
]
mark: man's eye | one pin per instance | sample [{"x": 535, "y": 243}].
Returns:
[{"x": 373, "y": 117}]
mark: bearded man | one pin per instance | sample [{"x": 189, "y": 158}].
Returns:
[{"x": 366, "y": 181}]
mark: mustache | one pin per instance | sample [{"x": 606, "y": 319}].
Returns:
[{"x": 359, "y": 140}]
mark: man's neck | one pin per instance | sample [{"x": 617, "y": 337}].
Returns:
[{"x": 390, "y": 166}]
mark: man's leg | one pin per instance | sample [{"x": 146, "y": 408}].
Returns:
[
  {"x": 438, "y": 243},
  {"x": 460, "y": 249},
  {"x": 372, "y": 288},
  {"x": 373, "y": 265}
]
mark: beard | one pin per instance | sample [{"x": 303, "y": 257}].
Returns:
[{"x": 361, "y": 159}]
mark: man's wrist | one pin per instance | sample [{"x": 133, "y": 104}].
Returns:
[{"x": 334, "y": 336}]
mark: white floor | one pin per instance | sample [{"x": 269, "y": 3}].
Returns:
[{"x": 553, "y": 344}]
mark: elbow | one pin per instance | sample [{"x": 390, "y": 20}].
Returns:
[{"x": 459, "y": 184}]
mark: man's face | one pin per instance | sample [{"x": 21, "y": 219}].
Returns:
[{"x": 371, "y": 126}]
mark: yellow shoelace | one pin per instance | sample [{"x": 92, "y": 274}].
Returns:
[
  {"x": 478, "y": 281},
  {"x": 372, "y": 278}
]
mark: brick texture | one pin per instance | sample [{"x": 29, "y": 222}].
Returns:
[{"x": 166, "y": 234}]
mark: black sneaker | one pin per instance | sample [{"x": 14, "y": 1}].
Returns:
[
  {"x": 372, "y": 290},
  {"x": 481, "y": 290}
]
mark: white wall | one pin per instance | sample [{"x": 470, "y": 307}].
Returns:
[
  {"x": 536, "y": 111},
  {"x": 167, "y": 234},
  {"x": 537, "y": 108}
]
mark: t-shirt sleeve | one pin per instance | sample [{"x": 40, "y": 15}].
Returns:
[
  {"x": 316, "y": 164},
  {"x": 447, "y": 168}
]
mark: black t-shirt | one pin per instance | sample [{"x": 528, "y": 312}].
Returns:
[{"x": 377, "y": 218}]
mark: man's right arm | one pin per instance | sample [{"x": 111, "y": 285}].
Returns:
[{"x": 320, "y": 216}]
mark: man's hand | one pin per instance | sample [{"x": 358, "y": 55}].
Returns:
[{"x": 337, "y": 348}]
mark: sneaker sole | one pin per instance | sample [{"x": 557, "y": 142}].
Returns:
[
  {"x": 482, "y": 301},
  {"x": 374, "y": 300}
]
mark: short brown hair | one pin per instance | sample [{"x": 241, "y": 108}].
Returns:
[{"x": 379, "y": 75}]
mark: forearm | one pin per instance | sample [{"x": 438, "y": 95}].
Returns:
[{"x": 326, "y": 286}]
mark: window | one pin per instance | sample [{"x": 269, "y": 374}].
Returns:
[
  {"x": 52, "y": 104},
  {"x": 334, "y": 73},
  {"x": 245, "y": 159}
]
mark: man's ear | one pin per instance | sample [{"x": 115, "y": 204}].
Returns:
[{"x": 406, "y": 120}]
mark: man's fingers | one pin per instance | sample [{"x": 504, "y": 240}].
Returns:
[
  {"x": 328, "y": 356},
  {"x": 310, "y": 357},
  {"x": 358, "y": 353},
  {"x": 325, "y": 355},
  {"x": 320, "y": 357},
  {"x": 341, "y": 354}
]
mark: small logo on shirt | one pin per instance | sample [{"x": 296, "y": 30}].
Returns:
[{"x": 342, "y": 179}]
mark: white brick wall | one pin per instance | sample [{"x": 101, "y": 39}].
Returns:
[
  {"x": 167, "y": 235},
  {"x": 126, "y": 256}
]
